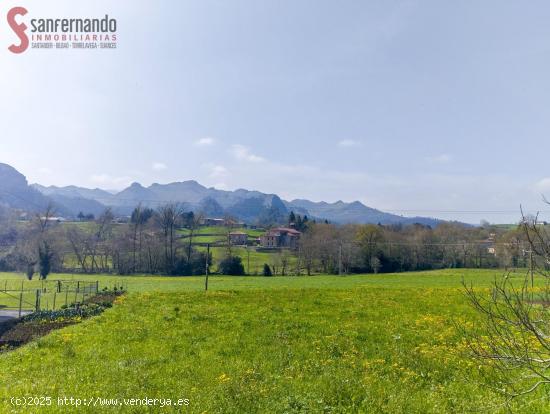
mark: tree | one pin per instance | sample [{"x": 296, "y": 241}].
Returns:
[
  {"x": 232, "y": 266},
  {"x": 100, "y": 242},
  {"x": 267, "y": 270},
  {"x": 192, "y": 223},
  {"x": 292, "y": 218},
  {"x": 369, "y": 237},
  {"x": 78, "y": 240},
  {"x": 301, "y": 224},
  {"x": 512, "y": 340},
  {"x": 31, "y": 241},
  {"x": 140, "y": 217},
  {"x": 283, "y": 260},
  {"x": 45, "y": 257},
  {"x": 30, "y": 270},
  {"x": 169, "y": 217}
]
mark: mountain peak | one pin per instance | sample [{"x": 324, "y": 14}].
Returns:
[
  {"x": 11, "y": 178},
  {"x": 249, "y": 206}
]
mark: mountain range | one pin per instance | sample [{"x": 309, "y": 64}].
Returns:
[{"x": 249, "y": 206}]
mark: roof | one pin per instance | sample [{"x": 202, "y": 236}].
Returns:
[
  {"x": 287, "y": 230},
  {"x": 281, "y": 230}
]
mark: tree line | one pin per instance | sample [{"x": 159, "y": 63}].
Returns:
[
  {"x": 369, "y": 248},
  {"x": 153, "y": 242}
]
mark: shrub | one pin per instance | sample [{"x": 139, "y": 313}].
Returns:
[
  {"x": 84, "y": 311},
  {"x": 232, "y": 266}
]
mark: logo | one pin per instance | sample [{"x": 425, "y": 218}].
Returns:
[
  {"x": 75, "y": 33},
  {"x": 19, "y": 29}
]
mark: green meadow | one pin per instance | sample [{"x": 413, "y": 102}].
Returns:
[{"x": 321, "y": 344}]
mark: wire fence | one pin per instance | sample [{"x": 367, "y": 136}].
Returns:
[{"x": 33, "y": 296}]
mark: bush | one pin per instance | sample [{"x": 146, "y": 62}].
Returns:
[
  {"x": 196, "y": 266},
  {"x": 84, "y": 311},
  {"x": 232, "y": 266}
]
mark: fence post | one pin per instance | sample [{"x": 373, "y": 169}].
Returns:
[
  {"x": 54, "y": 297},
  {"x": 207, "y": 263},
  {"x": 67, "y": 297},
  {"x": 20, "y": 302},
  {"x": 59, "y": 286},
  {"x": 37, "y": 305},
  {"x": 97, "y": 286}
]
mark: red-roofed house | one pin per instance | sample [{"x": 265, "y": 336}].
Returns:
[{"x": 281, "y": 237}]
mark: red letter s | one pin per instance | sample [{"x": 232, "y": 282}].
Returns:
[{"x": 19, "y": 29}]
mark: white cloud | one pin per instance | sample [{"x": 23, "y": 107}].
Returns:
[
  {"x": 440, "y": 159},
  {"x": 205, "y": 142},
  {"x": 348, "y": 143},
  {"x": 159, "y": 166},
  {"x": 243, "y": 153}
]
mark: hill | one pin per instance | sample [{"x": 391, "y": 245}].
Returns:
[
  {"x": 15, "y": 192},
  {"x": 355, "y": 212},
  {"x": 248, "y": 206}
]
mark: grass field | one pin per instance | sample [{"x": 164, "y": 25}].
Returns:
[
  {"x": 323, "y": 344},
  {"x": 223, "y": 230}
]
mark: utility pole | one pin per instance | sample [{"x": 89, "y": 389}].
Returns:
[
  {"x": 248, "y": 260},
  {"x": 207, "y": 265}
]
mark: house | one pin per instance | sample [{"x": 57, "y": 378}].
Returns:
[
  {"x": 238, "y": 238},
  {"x": 282, "y": 237},
  {"x": 53, "y": 219},
  {"x": 490, "y": 244},
  {"x": 209, "y": 222}
]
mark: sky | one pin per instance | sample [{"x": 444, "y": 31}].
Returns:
[{"x": 434, "y": 108}]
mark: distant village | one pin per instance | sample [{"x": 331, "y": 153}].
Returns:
[{"x": 275, "y": 238}]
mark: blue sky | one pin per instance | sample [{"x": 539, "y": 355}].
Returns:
[{"x": 424, "y": 106}]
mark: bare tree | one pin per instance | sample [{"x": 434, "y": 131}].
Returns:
[
  {"x": 193, "y": 223},
  {"x": 99, "y": 249},
  {"x": 169, "y": 217},
  {"x": 513, "y": 338},
  {"x": 78, "y": 240},
  {"x": 139, "y": 219}
]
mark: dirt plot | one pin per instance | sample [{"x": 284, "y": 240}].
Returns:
[
  {"x": 18, "y": 332},
  {"x": 22, "y": 333}
]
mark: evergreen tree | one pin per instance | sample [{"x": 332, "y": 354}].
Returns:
[
  {"x": 45, "y": 257},
  {"x": 291, "y": 218},
  {"x": 267, "y": 270}
]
